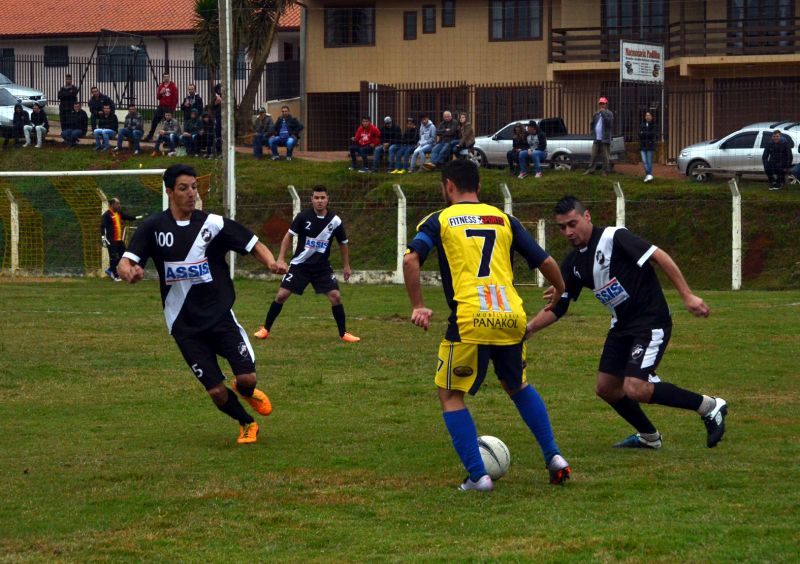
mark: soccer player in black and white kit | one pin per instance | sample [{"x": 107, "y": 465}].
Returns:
[
  {"x": 188, "y": 247},
  {"x": 615, "y": 265},
  {"x": 315, "y": 229}
]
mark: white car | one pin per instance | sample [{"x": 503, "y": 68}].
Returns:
[
  {"x": 28, "y": 96},
  {"x": 563, "y": 149},
  {"x": 739, "y": 151},
  {"x": 7, "y": 103}
]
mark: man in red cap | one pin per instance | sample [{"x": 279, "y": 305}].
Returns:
[{"x": 600, "y": 130}]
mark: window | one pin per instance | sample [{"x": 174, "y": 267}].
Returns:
[
  {"x": 515, "y": 20},
  {"x": 429, "y": 19},
  {"x": 120, "y": 64},
  {"x": 201, "y": 70},
  {"x": 349, "y": 27},
  {"x": 448, "y": 13},
  {"x": 741, "y": 141},
  {"x": 7, "y": 64},
  {"x": 56, "y": 56},
  {"x": 409, "y": 25},
  {"x": 288, "y": 51}
]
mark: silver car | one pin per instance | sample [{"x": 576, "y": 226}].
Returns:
[
  {"x": 28, "y": 96},
  {"x": 7, "y": 103},
  {"x": 737, "y": 152}
]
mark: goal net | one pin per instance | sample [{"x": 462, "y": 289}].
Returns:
[{"x": 51, "y": 220}]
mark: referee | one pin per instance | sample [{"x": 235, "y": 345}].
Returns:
[
  {"x": 188, "y": 247},
  {"x": 615, "y": 265}
]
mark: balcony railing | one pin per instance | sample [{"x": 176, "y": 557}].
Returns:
[{"x": 697, "y": 38}]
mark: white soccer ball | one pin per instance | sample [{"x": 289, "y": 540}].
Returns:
[{"x": 495, "y": 455}]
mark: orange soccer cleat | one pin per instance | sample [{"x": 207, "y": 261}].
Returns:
[
  {"x": 248, "y": 433},
  {"x": 348, "y": 338},
  {"x": 262, "y": 333},
  {"x": 259, "y": 400}
]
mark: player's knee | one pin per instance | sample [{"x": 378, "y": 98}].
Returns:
[
  {"x": 637, "y": 390},
  {"x": 219, "y": 394},
  {"x": 335, "y": 297},
  {"x": 245, "y": 384}
]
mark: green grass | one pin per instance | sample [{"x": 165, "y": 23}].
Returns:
[{"x": 112, "y": 452}]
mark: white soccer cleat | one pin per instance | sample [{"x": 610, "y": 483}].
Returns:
[
  {"x": 715, "y": 422},
  {"x": 559, "y": 470},
  {"x": 484, "y": 484}
]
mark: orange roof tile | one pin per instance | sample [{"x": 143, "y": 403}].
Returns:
[{"x": 81, "y": 18}]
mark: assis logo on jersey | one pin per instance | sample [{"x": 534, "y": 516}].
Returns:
[
  {"x": 612, "y": 294},
  {"x": 195, "y": 272},
  {"x": 319, "y": 245}
]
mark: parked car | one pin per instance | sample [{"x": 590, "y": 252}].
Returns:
[
  {"x": 563, "y": 149},
  {"x": 739, "y": 151},
  {"x": 7, "y": 103},
  {"x": 28, "y": 96}
]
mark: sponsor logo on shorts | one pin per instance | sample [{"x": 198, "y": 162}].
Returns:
[
  {"x": 457, "y": 220},
  {"x": 637, "y": 351},
  {"x": 243, "y": 349},
  {"x": 612, "y": 294},
  {"x": 462, "y": 371},
  {"x": 195, "y": 272}
]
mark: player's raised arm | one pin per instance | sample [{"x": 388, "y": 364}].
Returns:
[
  {"x": 694, "y": 304},
  {"x": 420, "y": 315}
]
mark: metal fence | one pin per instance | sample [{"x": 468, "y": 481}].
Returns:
[{"x": 135, "y": 78}]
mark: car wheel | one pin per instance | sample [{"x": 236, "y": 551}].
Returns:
[
  {"x": 562, "y": 161},
  {"x": 697, "y": 171},
  {"x": 480, "y": 158}
]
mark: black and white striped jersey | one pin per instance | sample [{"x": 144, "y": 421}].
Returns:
[
  {"x": 615, "y": 267},
  {"x": 314, "y": 237},
  {"x": 196, "y": 288}
]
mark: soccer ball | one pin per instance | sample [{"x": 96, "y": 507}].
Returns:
[{"x": 495, "y": 455}]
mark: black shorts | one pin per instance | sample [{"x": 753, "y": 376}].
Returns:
[
  {"x": 635, "y": 354},
  {"x": 226, "y": 339},
  {"x": 321, "y": 278}
]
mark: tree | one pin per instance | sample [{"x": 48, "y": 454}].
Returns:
[{"x": 255, "y": 25}]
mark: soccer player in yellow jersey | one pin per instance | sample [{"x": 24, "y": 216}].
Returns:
[{"x": 475, "y": 243}]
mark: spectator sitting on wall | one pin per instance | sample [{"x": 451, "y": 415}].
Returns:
[
  {"x": 132, "y": 129},
  {"x": 286, "y": 133},
  {"x": 777, "y": 157},
  {"x": 363, "y": 143},
  {"x": 18, "y": 122},
  {"x": 39, "y": 124},
  {"x": 536, "y": 151},
  {"x": 262, "y": 127},
  {"x": 390, "y": 137},
  {"x": 74, "y": 125},
  {"x": 400, "y": 153},
  {"x": 191, "y": 132},
  {"x": 447, "y": 132},
  {"x": 96, "y": 102},
  {"x": 169, "y": 132},
  {"x": 107, "y": 127},
  {"x": 466, "y": 135},
  {"x": 167, "y": 96},
  {"x": 427, "y": 137},
  {"x": 519, "y": 142}
]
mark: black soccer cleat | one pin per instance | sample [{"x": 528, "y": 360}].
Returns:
[{"x": 715, "y": 422}]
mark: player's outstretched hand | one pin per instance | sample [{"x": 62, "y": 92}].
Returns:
[
  {"x": 421, "y": 317},
  {"x": 132, "y": 275},
  {"x": 696, "y": 306}
]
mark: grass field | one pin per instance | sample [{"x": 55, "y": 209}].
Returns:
[{"x": 112, "y": 452}]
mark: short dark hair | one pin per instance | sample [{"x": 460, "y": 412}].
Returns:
[
  {"x": 366, "y": 118},
  {"x": 567, "y": 204},
  {"x": 319, "y": 188},
  {"x": 777, "y": 132},
  {"x": 463, "y": 173},
  {"x": 67, "y": 76},
  {"x": 172, "y": 173},
  {"x": 131, "y": 105},
  {"x": 285, "y": 108}
]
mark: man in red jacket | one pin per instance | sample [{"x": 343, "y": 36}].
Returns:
[
  {"x": 367, "y": 137},
  {"x": 167, "y": 94}
]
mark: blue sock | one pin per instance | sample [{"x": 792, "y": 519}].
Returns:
[
  {"x": 465, "y": 440},
  {"x": 531, "y": 407}
]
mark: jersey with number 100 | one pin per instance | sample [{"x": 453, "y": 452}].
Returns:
[{"x": 475, "y": 243}]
